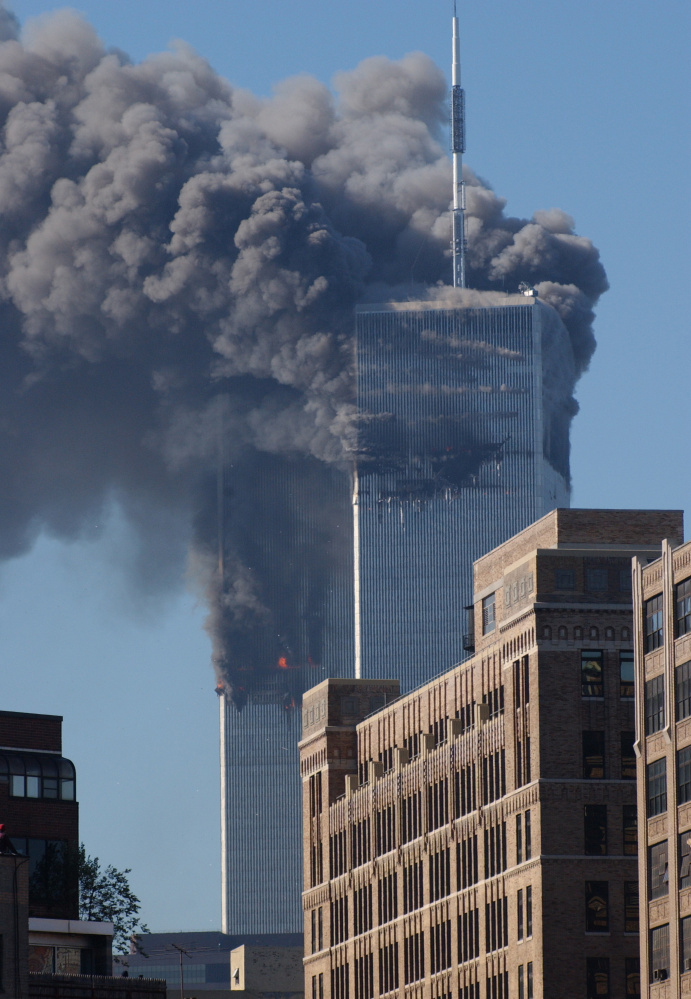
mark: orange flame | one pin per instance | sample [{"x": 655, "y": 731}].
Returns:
[{"x": 283, "y": 663}]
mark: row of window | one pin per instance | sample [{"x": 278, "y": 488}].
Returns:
[
  {"x": 594, "y": 758},
  {"x": 593, "y": 673},
  {"x": 653, "y": 616},
  {"x": 656, "y": 782},
  {"x": 597, "y": 908},
  {"x": 598, "y": 979},
  {"x": 598, "y": 976},
  {"x": 655, "y": 698},
  {"x": 658, "y": 865},
  {"x": 595, "y": 830}
]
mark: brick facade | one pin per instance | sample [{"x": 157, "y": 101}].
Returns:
[
  {"x": 476, "y": 838},
  {"x": 663, "y": 737}
]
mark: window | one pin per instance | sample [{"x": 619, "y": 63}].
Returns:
[
  {"x": 630, "y": 830},
  {"x": 628, "y": 757},
  {"x": 625, "y": 580},
  {"x": 528, "y": 837},
  {"x": 495, "y": 849},
  {"x": 655, "y": 704},
  {"x": 387, "y": 895},
  {"x": 412, "y": 886},
  {"x": 466, "y": 863},
  {"x": 682, "y": 678},
  {"x": 656, "y": 782},
  {"x": 685, "y": 944},
  {"x": 594, "y": 755},
  {"x": 440, "y": 947},
  {"x": 630, "y": 907},
  {"x": 414, "y": 958},
  {"x": 51, "y": 777},
  {"x": 685, "y": 859},
  {"x": 489, "y": 620},
  {"x": 659, "y": 953},
  {"x": 521, "y": 982},
  {"x": 496, "y": 924},
  {"x": 520, "y": 914},
  {"x": 684, "y": 775},
  {"x": 653, "y": 623},
  {"x": 529, "y": 977},
  {"x": 597, "y": 906},
  {"x": 632, "y": 967},
  {"x": 529, "y": 911},
  {"x": 440, "y": 874},
  {"x": 564, "y": 579},
  {"x": 597, "y": 977},
  {"x": 468, "y": 935},
  {"x": 596, "y": 580},
  {"x": 595, "y": 822},
  {"x": 658, "y": 878},
  {"x": 362, "y": 910},
  {"x": 519, "y": 838},
  {"x": 591, "y": 674},
  {"x": 682, "y": 594},
  {"x": 626, "y": 672}
]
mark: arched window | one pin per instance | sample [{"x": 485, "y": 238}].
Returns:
[
  {"x": 546, "y": 632},
  {"x": 609, "y": 634},
  {"x": 594, "y": 634},
  {"x": 578, "y": 632},
  {"x": 563, "y": 633}
]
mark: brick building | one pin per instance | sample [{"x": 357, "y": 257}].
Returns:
[
  {"x": 662, "y": 601},
  {"x": 477, "y": 837},
  {"x": 38, "y": 804}
]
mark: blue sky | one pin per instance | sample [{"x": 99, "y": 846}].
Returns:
[{"x": 582, "y": 106}]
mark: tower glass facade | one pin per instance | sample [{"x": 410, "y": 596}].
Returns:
[{"x": 463, "y": 443}]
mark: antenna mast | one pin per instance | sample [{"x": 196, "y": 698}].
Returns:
[{"x": 457, "y": 150}]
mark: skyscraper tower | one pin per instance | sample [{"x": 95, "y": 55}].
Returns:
[{"x": 463, "y": 440}]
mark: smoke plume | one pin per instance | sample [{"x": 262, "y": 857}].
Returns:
[{"x": 179, "y": 263}]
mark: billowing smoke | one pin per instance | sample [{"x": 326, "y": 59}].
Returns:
[{"x": 179, "y": 263}]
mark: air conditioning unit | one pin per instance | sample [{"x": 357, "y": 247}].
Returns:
[{"x": 660, "y": 974}]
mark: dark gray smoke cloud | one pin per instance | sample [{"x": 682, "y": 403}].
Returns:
[{"x": 178, "y": 265}]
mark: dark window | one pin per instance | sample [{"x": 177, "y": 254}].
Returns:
[
  {"x": 528, "y": 837},
  {"x": 656, "y": 782},
  {"x": 595, "y": 822},
  {"x": 685, "y": 859},
  {"x": 632, "y": 966},
  {"x": 349, "y": 706},
  {"x": 591, "y": 674},
  {"x": 529, "y": 911},
  {"x": 628, "y": 757},
  {"x": 653, "y": 623},
  {"x": 468, "y": 936},
  {"x": 654, "y": 704},
  {"x": 682, "y": 596},
  {"x": 596, "y": 580},
  {"x": 594, "y": 755},
  {"x": 564, "y": 579},
  {"x": 630, "y": 907},
  {"x": 529, "y": 976},
  {"x": 685, "y": 944},
  {"x": 658, "y": 877},
  {"x": 684, "y": 775},
  {"x": 659, "y": 953},
  {"x": 682, "y": 676},
  {"x": 597, "y": 971},
  {"x": 520, "y": 910},
  {"x": 625, "y": 580},
  {"x": 466, "y": 863},
  {"x": 630, "y": 830},
  {"x": 597, "y": 906},
  {"x": 626, "y": 672},
  {"x": 489, "y": 620},
  {"x": 519, "y": 838}
]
